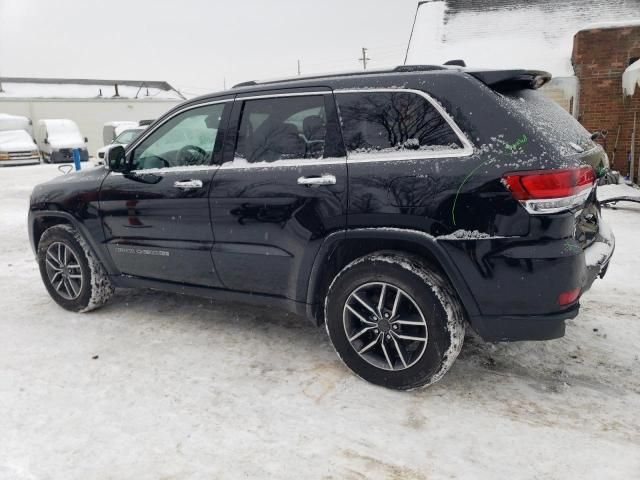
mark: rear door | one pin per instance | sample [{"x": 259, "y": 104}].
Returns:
[
  {"x": 156, "y": 218},
  {"x": 281, "y": 189}
]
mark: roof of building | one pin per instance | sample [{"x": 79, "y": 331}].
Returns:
[
  {"x": 535, "y": 34},
  {"x": 81, "y": 88}
]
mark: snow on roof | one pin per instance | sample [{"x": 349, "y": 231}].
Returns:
[
  {"x": 535, "y": 34},
  {"x": 19, "y": 87},
  {"x": 631, "y": 78},
  {"x": 618, "y": 24}
]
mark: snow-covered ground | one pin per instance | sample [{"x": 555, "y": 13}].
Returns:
[{"x": 157, "y": 385}]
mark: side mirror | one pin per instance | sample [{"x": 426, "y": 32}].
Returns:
[
  {"x": 86, "y": 140},
  {"x": 46, "y": 141},
  {"x": 115, "y": 159}
]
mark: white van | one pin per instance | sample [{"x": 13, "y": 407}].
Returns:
[
  {"x": 17, "y": 148},
  {"x": 57, "y": 138},
  {"x": 111, "y": 130},
  {"x": 15, "y": 122}
]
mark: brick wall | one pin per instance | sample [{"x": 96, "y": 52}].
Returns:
[{"x": 600, "y": 56}]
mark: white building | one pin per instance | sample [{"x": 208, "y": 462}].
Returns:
[{"x": 90, "y": 103}]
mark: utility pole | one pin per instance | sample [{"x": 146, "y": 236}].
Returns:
[
  {"x": 364, "y": 58},
  {"x": 299, "y": 72}
]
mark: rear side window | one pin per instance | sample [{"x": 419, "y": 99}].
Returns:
[
  {"x": 283, "y": 128},
  {"x": 390, "y": 122}
]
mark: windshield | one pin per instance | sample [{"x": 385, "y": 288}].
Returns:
[{"x": 127, "y": 136}]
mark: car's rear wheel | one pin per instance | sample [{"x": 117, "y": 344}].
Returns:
[
  {"x": 394, "y": 321},
  {"x": 72, "y": 275}
]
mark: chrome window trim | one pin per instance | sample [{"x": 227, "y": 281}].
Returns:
[
  {"x": 293, "y": 163},
  {"x": 465, "y": 151},
  {"x": 148, "y": 132}
]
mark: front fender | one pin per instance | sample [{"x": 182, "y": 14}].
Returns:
[{"x": 96, "y": 248}]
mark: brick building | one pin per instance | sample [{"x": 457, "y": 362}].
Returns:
[
  {"x": 586, "y": 61},
  {"x": 600, "y": 56}
]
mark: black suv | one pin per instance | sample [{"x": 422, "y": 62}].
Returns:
[{"x": 394, "y": 207}]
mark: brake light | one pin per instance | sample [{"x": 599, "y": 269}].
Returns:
[{"x": 551, "y": 191}]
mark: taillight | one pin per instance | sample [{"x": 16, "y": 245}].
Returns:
[{"x": 551, "y": 191}]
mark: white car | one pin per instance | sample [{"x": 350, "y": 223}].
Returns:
[
  {"x": 124, "y": 139},
  {"x": 17, "y": 148}
]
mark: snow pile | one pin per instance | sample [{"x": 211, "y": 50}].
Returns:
[
  {"x": 16, "y": 141},
  {"x": 538, "y": 35},
  {"x": 465, "y": 235},
  {"x": 631, "y": 78},
  {"x": 606, "y": 192}
]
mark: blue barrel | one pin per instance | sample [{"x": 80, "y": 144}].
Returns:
[{"x": 76, "y": 158}]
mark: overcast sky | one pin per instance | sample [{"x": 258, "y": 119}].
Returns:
[{"x": 196, "y": 44}]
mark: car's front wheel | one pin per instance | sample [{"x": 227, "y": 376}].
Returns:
[
  {"x": 394, "y": 321},
  {"x": 72, "y": 275}
]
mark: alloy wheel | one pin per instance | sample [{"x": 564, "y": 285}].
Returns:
[
  {"x": 385, "y": 326},
  {"x": 63, "y": 270}
]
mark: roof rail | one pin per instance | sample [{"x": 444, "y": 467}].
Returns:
[
  {"x": 418, "y": 68},
  {"x": 400, "y": 69}
]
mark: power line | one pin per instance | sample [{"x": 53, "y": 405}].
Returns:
[{"x": 415, "y": 17}]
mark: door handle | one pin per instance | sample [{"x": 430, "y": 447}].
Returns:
[
  {"x": 188, "y": 184},
  {"x": 321, "y": 180}
]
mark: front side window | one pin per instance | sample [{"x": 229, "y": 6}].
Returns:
[
  {"x": 283, "y": 128},
  {"x": 393, "y": 122},
  {"x": 188, "y": 139}
]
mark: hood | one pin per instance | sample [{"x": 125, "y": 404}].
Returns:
[
  {"x": 64, "y": 134},
  {"x": 16, "y": 141}
]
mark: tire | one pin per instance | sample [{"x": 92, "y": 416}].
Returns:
[
  {"x": 428, "y": 309},
  {"x": 85, "y": 285}
]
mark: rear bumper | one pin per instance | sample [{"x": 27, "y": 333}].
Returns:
[
  {"x": 516, "y": 282},
  {"x": 503, "y": 328}
]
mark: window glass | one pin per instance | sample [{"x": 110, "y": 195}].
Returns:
[
  {"x": 127, "y": 136},
  {"x": 282, "y": 128},
  {"x": 393, "y": 122},
  {"x": 185, "y": 140}
]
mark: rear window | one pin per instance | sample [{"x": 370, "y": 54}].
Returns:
[
  {"x": 550, "y": 120},
  {"x": 387, "y": 122}
]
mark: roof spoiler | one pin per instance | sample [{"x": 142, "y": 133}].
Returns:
[{"x": 505, "y": 80}]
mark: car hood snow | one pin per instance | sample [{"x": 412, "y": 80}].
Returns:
[{"x": 16, "y": 141}]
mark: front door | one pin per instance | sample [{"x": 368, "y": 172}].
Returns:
[
  {"x": 156, "y": 217},
  {"x": 281, "y": 189}
]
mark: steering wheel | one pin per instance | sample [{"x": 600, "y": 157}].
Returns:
[{"x": 190, "y": 155}]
